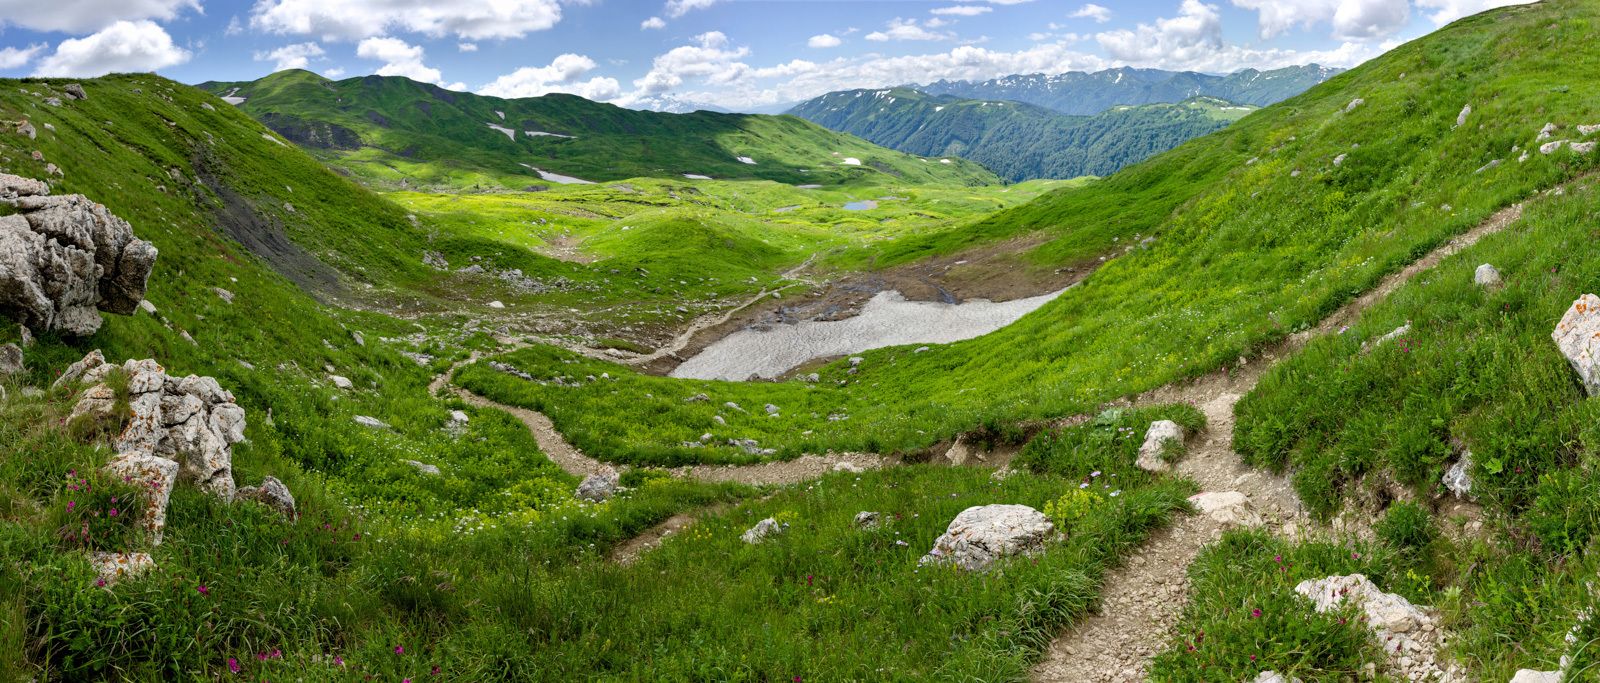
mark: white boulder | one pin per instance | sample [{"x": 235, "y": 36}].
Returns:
[
  {"x": 981, "y": 535},
  {"x": 1458, "y": 477},
  {"x": 341, "y": 382},
  {"x": 114, "y": 567},
  {"x": 1385, "y": 611},
  {"x": 1531, "y": 676},
  {"x": 1156, "y": 438},
  {"x": 271, "y": 493},
  {"x": 1227, "y": 507},
  {"x": 600, "y": 486},
  {"x": 763, "y": 530},
  {"x": 1486, "y": 276},
  {"x": 1578, "y": 338}
]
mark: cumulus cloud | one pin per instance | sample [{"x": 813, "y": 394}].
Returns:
[
  {"x": 652, "y": 22},
  {"x": 823, "y": 40},
  {"x": 562, "y": 75},
  {"x": 710, "y": 60},
  {"x": 87, "y": 15},
  {"x": 296, "y": 56},
  {"x": 678, "y": 8},
  {"x": 16, "y": 57},
  {"x": 962, "y": 10},
  {"x": 358, "y": 19},
  {"x": 467, "y": 47},
  {"x": 333, "y": 73},
  {"x": 235, "y": 27},
  {"x": 1100, "y": 14},
  {"x": 1447, "y": 11},
  {"x": 399, "y": 57},
  {"x": 124, "y": 46},
  {"x": 1349, "y": 19},
  {"x": 907, "y": 29},
  {"x": 1193, "y": 41}
]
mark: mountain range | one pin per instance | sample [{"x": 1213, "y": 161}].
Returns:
[{"x": 1084, "y": 94}]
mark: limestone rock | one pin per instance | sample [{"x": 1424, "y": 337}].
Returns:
[
  {"x": 763, "y": 530},
  {"x": 1228, "y": 507},
  {"x": 867, "y": 520},
  {"x": 1274, "y": 677},
  {"x": 1532, "y": 676},
  {"x": 600, "y": 486},
  {"x": 981, "y": 535},
  {"x": 1458, "y": 478},
  {"x": 846, "y": 466},
  {"x": 1492, "y": 164},
  {"x": 772, "y": 409},
  {"x": 423, "y": 467},
  {"x": 1545, "y": 132},
  {"x": 496, "y": 304},
  {"x": 1582, "y": 147},
  {"x": 1551, "y": 147},
  {"x": 1486, "y": 276},
  {"x": 75, "y": 91},
  {"x": 63, "y": 259},
  {"x": 114, "y": 567},
  {"x": 341, "y": 382},
  {"x": 11, "y": 359},
  {"x": 1339, "y": 160},
  {"x": 271, "y": 493},
  {"x": 1578, "y": 338},
  {"x": 1385, "y": 611},
  {"x": 25, "y": 128},
  {"x": 1393, "y": 334},
  {"x": 156, "y": 476},
  {"x": 372, "y": 422},
  {"x": 1353, "y": 104},
  {"x": 1155, "y": 440},
  {"x": 76, "y": 370},
  {"x": 1461, "y": 119},
  {"x": 225, "y": 295}
]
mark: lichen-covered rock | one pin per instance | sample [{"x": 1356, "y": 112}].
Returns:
[
  {"x": 763, "y": 530},
  {"x": 1353, "y": 104},
  {"x": 1385, "y": 611},
  {"x": 192, "y": 420},
  {"x": 600, "y": 486},
  {"x": 867, "y": 520},
  {"x": 271, "y": 493},
  {"x": 155, "y": 476},
  {"x": 114, "y": 567},
  {"x": 1461, "y": 119},
  {"x": 1578, "y": 338},
  {"x": 63, "y": 259},
  {"x": 1156, "y": 438},
  {"x": 981, "y": 535}
]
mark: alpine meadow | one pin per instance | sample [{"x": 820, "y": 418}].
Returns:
[{"x": 1125, "y": 352}]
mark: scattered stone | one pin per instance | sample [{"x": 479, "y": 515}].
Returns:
[
  {"x": 53, "y": 101},
  {"x": 496, "y": 304},
  {"x": 63, "y": 259},
  {"x": 718, "y": 419},
  {"x": 52, "y": 169},
  {"x": 1551, "y": 147},
  {"x": 1229, "y": 508},
  {"x": 920, "y": 349},
  {"x": 458, "y": 416},
  {"x": 25, "y": 128},
  {"x": 472, "y": 269},
  {"x": 1386, "y": 611},
  {"x": 75, "y": 371},
  {"x": 981, "y": 535},
  {"x": 763, "y": 530},
  {"x": 147, "y": 307},
  {"x": 1155, "y": 440},
  {"x": 1545, "y": 132},
  {"x": 1353, "y": 104},
  {"x": 846, "y": 466},
  {"x": 423, "y": 467},
  {"x": 1295, "y": 173},
  {"x": 813, "y": 378},
  {"x": 225, "y": 295},
  {"x": 1396, "y": 333},
  {"x": 184, "y": 335},
  {"x": 1458, "y": 477},
  {"x": 1575, "y": 336},
  {"x": 372, "y": 422},
  {"x": 697, "y": 398},
  {"x": 1492, "y": 164},
  {"x": 1461, "y": 119},
  {"x": 855, "y": 361},
  {"x": 867, "y": 520},
  {"x": 114, "y": 567},
  {"x": 772, "y": 409},
  {"x": 341, "y": 382},
  {"x": 1582, "y": 147},
  {"x": 1532, "y": 676},
  {"x": 1339, "y": 160},
  {"x": 1588, "y": 130},
  {"x": 600, "y": 486},
  {"x": 360, "y": 340},
  {"x": 271, "y": 493},
  {"x": 1486, "y": 276},
  {"x": 735, "y": 406},
  {"x": 11, "y": 360},
  {"x": 1274, "y": 677}
]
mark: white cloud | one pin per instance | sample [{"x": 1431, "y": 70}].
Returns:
[
  {"x": 1193, "y": 41},
  {"x": 467, "y": 47},
  {"x": 710, "y": 60},
  {"x": 652, "y": 22},
  {"x": 124, "y": 46},
  {"x": 823, "y": 40},
  {"x": 17, "y": 57},
  {"x": 1100, "y": 14},
  {"x": 963, "y": 10},
  {"x": 678, "y": 8},
  {"x": 82, "y": 16},
  {"x": 907, "y": 29},
  {"x": 358, "y": 19},
  {"x": 234, "y": 27},
  {"x": 296, "y": 56},
  {"x": 333, "y": 73},
  {"x": 401, "y": 59},
  {"x": 1350, "y": 19},
  {"x": 560, "y": 76},
  {"x": 1451, "y": 10}
]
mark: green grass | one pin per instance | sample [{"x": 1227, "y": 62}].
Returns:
[{"x": 397, "y": 133}]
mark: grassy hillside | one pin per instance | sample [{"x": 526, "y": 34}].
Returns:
[
  {"x": 396, "y": 133},
  {"x": 1085, "y": 94},
  {"x": 1018, "y": 141}
]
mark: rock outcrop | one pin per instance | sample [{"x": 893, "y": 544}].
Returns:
[
  {"x": 271, "y": 493},
  {"x": 63, "y": 259},
  {"x": 763, "y": 530},
  {"x": 981, "y": 535},
  {"x": 1578, "y": 338},
  {"x": 11, "y": 359},
  {"x": 1156, "y": 438},
  {"x": 190, "y": 419},
  {"x": 1408, "y": 636}
]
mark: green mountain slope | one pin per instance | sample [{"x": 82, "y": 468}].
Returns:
[
  {"x": 394, "y": 132},
  {"x": 1018, "y": 141},
  {"x": 1085, "y": 94}
]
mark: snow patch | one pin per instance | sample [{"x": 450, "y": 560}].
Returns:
[
  {"x": 510, "y": 134},
  {"x": 556, "y": 177},
  {"x": 537, "y": 133},
  {"x": 850, "y": 161},
  {"x": 746, "y": 160}
]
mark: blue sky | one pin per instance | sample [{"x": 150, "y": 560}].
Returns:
[{"x": 738, "y": 54}]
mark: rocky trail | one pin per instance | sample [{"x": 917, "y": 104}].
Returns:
[{"x": 1142, "y": 600}]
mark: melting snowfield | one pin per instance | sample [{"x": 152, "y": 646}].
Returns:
[
  {"x": 557, "y": 177},
  {"x": 887, "y": 319}
]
